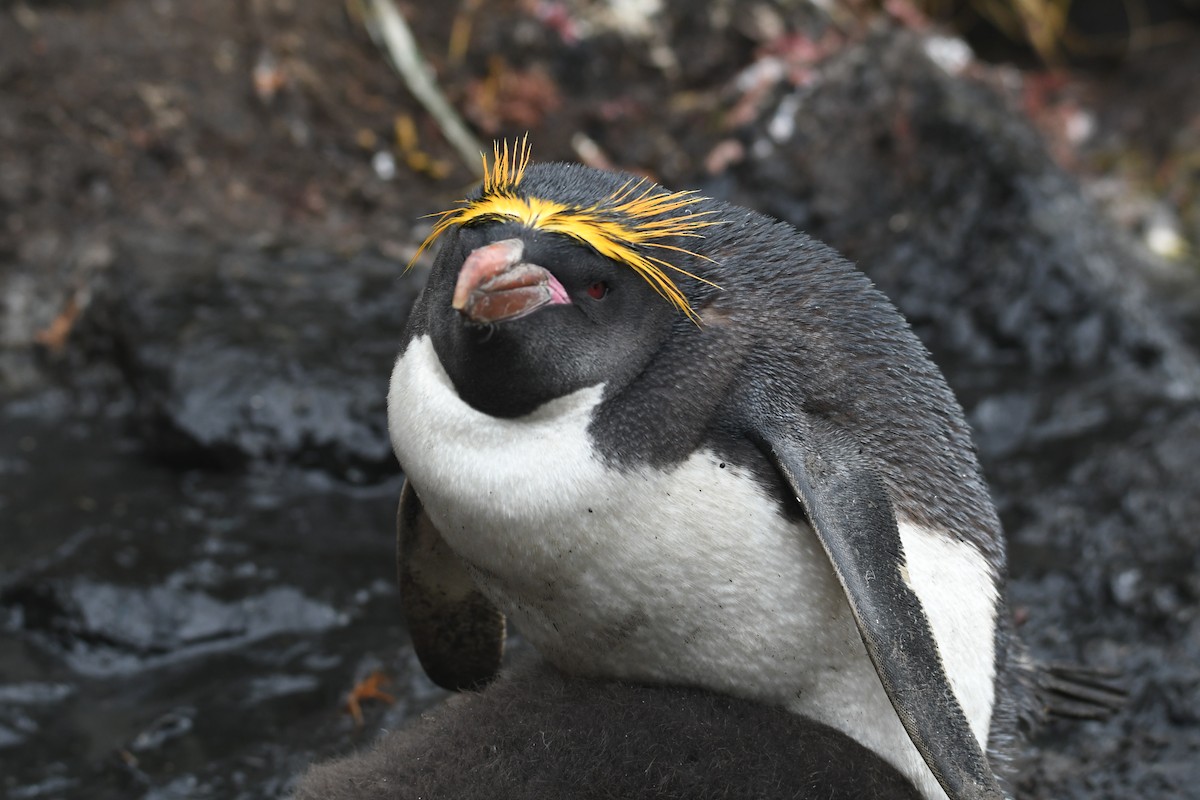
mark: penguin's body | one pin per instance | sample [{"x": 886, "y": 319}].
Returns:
[
  {"x": 750, "y": 479},
  {"x": 693, "y": 574}
]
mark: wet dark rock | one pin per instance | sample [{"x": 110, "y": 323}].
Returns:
[
  {"x": 269, "y": 687},
  {"x": 128, "y": 627},
  {"x": 175, "y": 723},
  {"x": 130, "y": 593},
  {"x": 1116, "y": 586},
  {"x": 34, "y": 693},
  {"x": 949, "y": 201},
  {"x": 1001, "y": 422},
  {"x": 244, "y": 355}
]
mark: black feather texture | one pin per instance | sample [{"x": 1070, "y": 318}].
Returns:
[{"x": 536, "y": 734}]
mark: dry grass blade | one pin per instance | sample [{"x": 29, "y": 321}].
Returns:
[{"x": 391, "y": 33}]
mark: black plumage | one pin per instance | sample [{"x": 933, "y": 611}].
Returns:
[{"x": 537, "y": 734}]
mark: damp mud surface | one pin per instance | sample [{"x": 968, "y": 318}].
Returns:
[{"x": 206, "y": 222}]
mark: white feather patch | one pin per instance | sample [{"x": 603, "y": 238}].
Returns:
[{"x": 954, "y": 583}]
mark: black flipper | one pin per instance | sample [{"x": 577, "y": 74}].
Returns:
[
  {"x": 848, "y": 506},
  {"x": 457, "y": 632}
]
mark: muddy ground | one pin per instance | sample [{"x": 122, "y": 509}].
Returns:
[{"x": 206, "y": 216}]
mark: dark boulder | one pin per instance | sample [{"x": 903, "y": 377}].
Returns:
[{"x": 241, "y": 355}]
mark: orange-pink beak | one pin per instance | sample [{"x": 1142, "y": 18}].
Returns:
[{"x": 495, "y": 285}]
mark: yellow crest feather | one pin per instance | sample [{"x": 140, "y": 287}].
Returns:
[{"x": 638, "y": 215}]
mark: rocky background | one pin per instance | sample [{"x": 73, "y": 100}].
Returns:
[{"x": 207, "y": 209}]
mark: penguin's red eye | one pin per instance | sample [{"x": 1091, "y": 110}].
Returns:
[{"x": 598, "y": 290}]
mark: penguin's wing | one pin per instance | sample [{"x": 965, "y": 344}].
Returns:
[
  {"x": 457, "y": 632},
  {"x": 848, "y": 506}
]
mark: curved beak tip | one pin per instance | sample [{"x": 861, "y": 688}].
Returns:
[
  {"x": 485, "y": 263},
  {"x": 494, "y": 284}
]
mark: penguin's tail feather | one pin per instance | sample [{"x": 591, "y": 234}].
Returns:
[
  {"x": 1074, "y": 691},
  {"x": 1036, "y": 692},
  {"x": 1043, "y": 691}
]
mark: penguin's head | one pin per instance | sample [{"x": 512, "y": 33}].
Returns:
[{"x": 554, "y": 277}]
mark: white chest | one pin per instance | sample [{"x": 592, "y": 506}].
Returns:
[
  {"x": 604, "y": 568},
  {"x": 689, "y": 576}
]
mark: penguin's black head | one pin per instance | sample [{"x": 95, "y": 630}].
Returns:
[{"x": 551, "y": 278}]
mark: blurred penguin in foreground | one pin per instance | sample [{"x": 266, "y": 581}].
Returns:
[{"x": 536, "y": 733}]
